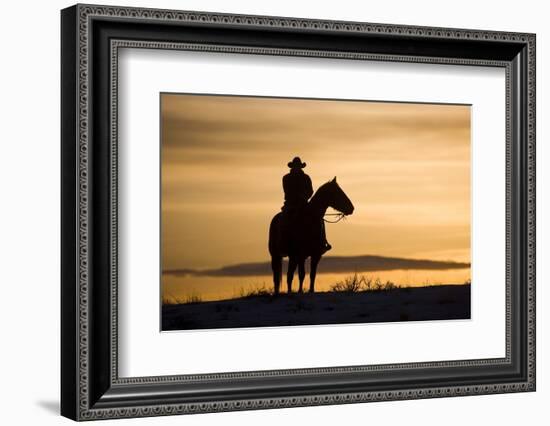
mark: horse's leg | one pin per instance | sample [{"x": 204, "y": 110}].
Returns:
[
  {"x": 276, "y": 267},
  {"x": 290, "y": 273},
  {"x": 301, "y": 273},
  {"x": 313, "y": 271}
]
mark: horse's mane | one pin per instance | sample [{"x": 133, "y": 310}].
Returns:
[{"x": 322, "y": 189}]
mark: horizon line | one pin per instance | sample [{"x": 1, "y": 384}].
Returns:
[{"x": 331, "y": 264}]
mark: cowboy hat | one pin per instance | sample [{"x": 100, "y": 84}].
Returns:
[{"x": 296, "y": 163}]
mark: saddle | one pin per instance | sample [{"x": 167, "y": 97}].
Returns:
[
  {"x": 290, "y": 228},
  {"x": 297, "y": 232}
]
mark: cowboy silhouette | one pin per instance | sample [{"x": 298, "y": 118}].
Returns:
[{"x": 298, "y": 189}]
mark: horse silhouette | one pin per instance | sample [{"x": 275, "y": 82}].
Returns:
[{"x": 305, "y": 238}]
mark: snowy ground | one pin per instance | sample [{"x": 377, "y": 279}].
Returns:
[{"x": 406, "y": 304}]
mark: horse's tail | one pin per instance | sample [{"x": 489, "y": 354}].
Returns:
[
  {"x": 275, "y": 252},
  {"x": 277, "y": 268},
  {"x": 274, "y": 237}
]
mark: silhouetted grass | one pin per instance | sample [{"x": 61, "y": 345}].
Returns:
[
  {"x": 384, "y": 286},
  {"x": 351, "y": 284},
  {"x": 189, "y": 299},
  {"x": 193, "y": 298},
  {"x": 171, "y": 300},
  {"x": 356, "y": 283},
  {"x": 256, "y": 292}
]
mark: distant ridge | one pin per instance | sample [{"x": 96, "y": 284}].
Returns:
[{"x": 330, "y": 264}]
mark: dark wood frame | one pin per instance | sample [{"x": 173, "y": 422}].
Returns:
[{"x": 91, "y": 37}]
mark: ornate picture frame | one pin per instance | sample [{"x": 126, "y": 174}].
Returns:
[{"x": 91, "y": 37}]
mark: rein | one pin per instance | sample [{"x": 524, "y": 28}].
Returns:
[{"x": 340, "y": 217}]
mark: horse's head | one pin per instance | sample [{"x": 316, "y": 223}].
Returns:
[{"x": 337, "y": 199}]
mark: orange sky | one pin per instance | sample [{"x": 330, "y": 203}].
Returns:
[{"x": 406, "y": 167}]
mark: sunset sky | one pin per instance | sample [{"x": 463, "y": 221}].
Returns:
[{"x": 406, "y": 168}]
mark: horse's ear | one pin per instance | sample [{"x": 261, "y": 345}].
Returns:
[{"x": 334, "y": 180}]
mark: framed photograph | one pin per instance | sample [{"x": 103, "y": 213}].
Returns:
[
  {"x": 263, "y": 212},
  {"x": 221, "y": 198}
]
